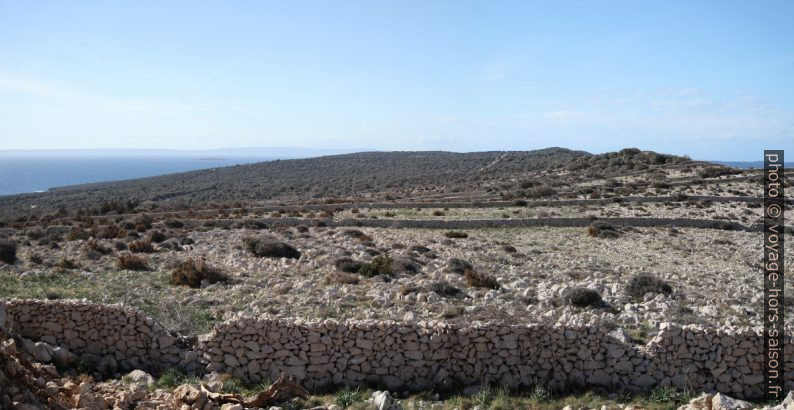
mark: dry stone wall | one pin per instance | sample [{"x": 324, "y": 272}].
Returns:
[
  {"x": 423, "y": 355},
  {"x": 410, "y": 355},
  {"x": 97, "y": 331}
]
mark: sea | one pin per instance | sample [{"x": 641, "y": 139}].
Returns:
[{"x": 38, "y": 173}]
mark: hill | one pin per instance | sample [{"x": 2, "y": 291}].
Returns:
[{"x": 359, "y": 176}]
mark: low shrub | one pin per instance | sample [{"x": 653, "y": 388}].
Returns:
[
  {"x": 77, "y": 233},
  {"x": 348, "y": 265},
  {"x": 141, "y": 246},
  {"x": 639, "y": 285},
  {"x": 271, "y": 248},
  {"x": 173, "y": 223},
  {"x": 438, "y": 213},
  {"x": 458, "y": 266},
  {"x": 343, "y": 278},
  {"x": 541, "y": 191},
  {"x": 111, "y": 231},
  {"x": 355, "y": 233},
  {"x": 379, "y": 265},
  {"x": 93, "y": 245},
  {"x": 130, "y": 261},
  {"x": 716, "y": 171},
  {"x": 406, "y": 264},
  {"x": 602, "y": 230},
  {"x": 679, "y": 197},
  {"x": 445, "y": 289},
  {"x": 67, "y": 264},
  {"x": 456, "y": 234},
  {"x": 419, "y": 249},
  {"x": 480, "y": 280},
  {"x": 191, "y": 272},
  {"x": 172, "y": 244},
  {"x": 8, "y": 251},
  {"x": 157, "y": 237},
  {"x": 34, "y": 233},
  {"x": 509, "y": 248},
  {"x": 527, "y": 184},
  {"x": 582, "y": 297}
]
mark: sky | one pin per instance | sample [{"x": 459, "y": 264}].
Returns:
[{"x": 710, "y": 79}]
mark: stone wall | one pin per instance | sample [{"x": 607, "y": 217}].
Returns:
[
  {"x": 410, "y": 355},
  {"x": 95, "y": 331},
  {"x": 423, "y": 355}
]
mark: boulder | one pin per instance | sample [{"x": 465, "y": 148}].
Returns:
[
  {"x": 702, "y": 402},
  {"x": 383, "y": 401},
  {"x": 140, "y": 377},
  {"x": 62, "y": 357},
  {"x": 723, "y": 402}
]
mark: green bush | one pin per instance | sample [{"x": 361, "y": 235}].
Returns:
[
  {"x": 582, "y": 297},
  {"x": 8, "y": 251},
  {"x": 380, "y": 265}
]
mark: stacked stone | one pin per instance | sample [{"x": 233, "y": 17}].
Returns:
[
  {"x": 410, "y": 355},
  {"x": 135, "y": 341},
  {"x": 417, "y": 356},
  {"x": 728, "y": 361},
  {"x": 424, "y": 355}
]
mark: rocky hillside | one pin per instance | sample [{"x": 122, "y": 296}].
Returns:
[{"x": 362, "y": 176}]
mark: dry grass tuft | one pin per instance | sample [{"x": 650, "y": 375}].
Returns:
[
  {"x": 479, "y": 279},
  {"x": 191, "y": 272},
  {"x": 141, "y": 246},
  {"x": 131, "y": 261},
  {"x": 342, "y": 278}
]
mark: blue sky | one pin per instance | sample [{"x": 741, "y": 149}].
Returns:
[{"x": 714, "y": 80}]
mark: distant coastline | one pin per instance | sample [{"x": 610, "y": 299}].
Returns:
[{"x": 29, "y": 173}]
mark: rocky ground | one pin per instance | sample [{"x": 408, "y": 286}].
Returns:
[
  {"x": 621, "y": 276},
  {"x": 713, "y": 276}
]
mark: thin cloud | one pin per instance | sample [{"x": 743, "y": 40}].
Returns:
[{"x": 218, "y": 71}]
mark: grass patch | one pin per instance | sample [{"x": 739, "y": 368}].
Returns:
[{"x": 347, "y": 397}]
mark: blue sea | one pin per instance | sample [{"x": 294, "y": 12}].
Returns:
[{"x": 30, "y": 173}]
